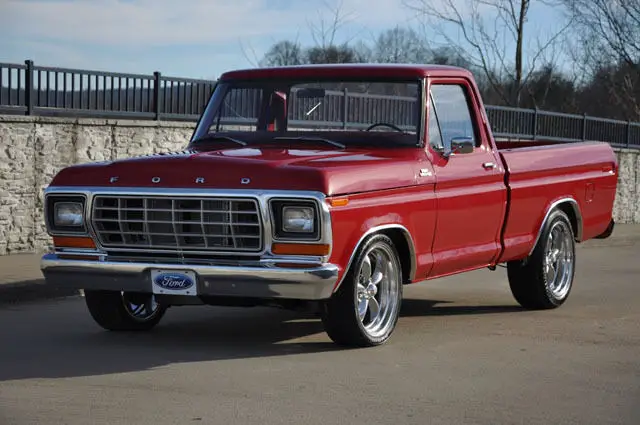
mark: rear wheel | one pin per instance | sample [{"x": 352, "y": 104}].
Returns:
[
  {"x": 124, "y": 311},
  {"x": 544, "y": 280},
  {"x": 365, "y": 309}
]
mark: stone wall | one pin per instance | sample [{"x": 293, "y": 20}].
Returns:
[
  {"x": 34, "y": 149},
  {"x": 627, "y": 206}
]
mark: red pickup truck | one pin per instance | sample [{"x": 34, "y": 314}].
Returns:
[{"x": 333, "y": 185}]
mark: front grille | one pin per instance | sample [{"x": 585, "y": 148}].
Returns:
[{"x": 177, "y": 223}]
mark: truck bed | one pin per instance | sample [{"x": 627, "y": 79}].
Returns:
[{"x": 541, "y": 173}]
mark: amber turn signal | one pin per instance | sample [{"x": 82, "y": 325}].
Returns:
[
  {"x": 339, "y": 202},
  {"x": 74, "y": 242},
  {"x": 300, "y": 249}
]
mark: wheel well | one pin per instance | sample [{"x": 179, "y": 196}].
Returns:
[
  {"x": 405, "y": 253},
  {"x": 570, "y": 210}
]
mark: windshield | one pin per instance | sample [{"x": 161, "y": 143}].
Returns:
[{"x": 335, "y": 110}]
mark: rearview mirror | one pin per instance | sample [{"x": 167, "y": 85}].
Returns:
[
  {"x": 311, "y": 93},
  {"x": 460, "y": 145}
]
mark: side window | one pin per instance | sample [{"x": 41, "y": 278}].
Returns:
[
  {"x": 454, "y": 115},
  {"x": 435, "y": 138}
]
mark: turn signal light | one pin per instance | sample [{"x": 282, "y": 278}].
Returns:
[
  {"x": 339, "y": 202},
  {"x": 300, "y": 249},
  {"x": 74, "y": 242}
]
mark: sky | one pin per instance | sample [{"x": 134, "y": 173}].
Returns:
[{"x": 189, "y": 38}]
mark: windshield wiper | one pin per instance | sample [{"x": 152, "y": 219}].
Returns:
[
  {"x": 312, "y": 139},
  {"x": 212, "y": 137}
]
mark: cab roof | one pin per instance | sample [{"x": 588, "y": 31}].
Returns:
[{"x": 362, "y": 70}]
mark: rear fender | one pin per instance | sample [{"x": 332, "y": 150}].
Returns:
[{"x": 554, "y": 205}]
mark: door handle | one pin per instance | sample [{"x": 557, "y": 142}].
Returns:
[{"x": 488, "y": 165}]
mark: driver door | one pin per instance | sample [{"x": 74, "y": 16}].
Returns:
[{"x": 470, "y": 189}]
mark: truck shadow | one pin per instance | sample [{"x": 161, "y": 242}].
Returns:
[
  {"x": 425, "y": 308},
  {"x": 58, "y": 339}
]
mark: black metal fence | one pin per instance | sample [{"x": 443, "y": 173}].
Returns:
[
  {"x": 39, "y": 90},
  {"x": 47, "y": 91}
]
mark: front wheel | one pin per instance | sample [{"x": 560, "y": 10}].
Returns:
[
  {"x": 365, "y": 309},
  {"x": 544, "y": 280},
  {"x": 123, "y": 311}
]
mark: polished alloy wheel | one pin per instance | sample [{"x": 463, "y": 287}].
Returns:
[
  {"x": 558, "y": 260},
  {"x": 140, "y": 306},
  {"x": 377, "y": 290},
  {"x": 544, "y": 279}
]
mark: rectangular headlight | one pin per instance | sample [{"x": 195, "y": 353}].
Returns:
[
  {"x": 68, "y": 214},
  {"x": 295, "y": 220},
  {"x": 65, "y": 214},
  {"x": 298, "y": 219}
]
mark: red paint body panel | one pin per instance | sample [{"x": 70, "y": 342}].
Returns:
[
  {"x": 413, "y": 208},
  {"x": 384, "y": 71},
  {"x": 326, "y": 171},
  {"x": 539, "y": 176},
  {"x": 471, "y": 205},
  {"x": 460, "y": 214}
]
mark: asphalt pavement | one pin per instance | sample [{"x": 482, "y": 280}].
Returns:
[{"x": 463, "y": 353}]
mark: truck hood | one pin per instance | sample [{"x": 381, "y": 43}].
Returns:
[{"x": 332, "y": 172}]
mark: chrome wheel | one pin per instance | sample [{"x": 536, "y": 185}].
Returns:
[
  {"x": 377, "y": 299},
  {"x": 141, "y": 307},
  {"x": 545, "y": 278},
  {"x": 364, "y": 310},
  {"x": 558, "y": 260}
]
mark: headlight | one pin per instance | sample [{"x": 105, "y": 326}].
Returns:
[
  {"x": 65, "y": 214},
  {"x": 298, "y": 219},
  {"x": 68, "y": 214},
  {"x": 295, "y": 220}
]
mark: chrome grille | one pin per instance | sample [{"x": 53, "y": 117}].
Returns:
[{"x": 177, "y": 223}]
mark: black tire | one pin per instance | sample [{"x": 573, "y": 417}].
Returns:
[
  {"x": 529, "y": 279},
  {"x": 109, "y": 310},
  {"x": 340, "y": 314}
]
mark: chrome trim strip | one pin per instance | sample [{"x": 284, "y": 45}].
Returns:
[
  {"x": 262, "y": 196},
  {"x": 408, "y": 238},
  {"x": 257, "y": 280},
  {"x": 423, "y": 113},
  {"x": 576, "y": 210}
]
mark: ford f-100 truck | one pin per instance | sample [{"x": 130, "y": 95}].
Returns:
[{"x": 334, "y": 185}]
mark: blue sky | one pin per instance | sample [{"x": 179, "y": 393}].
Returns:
[{"x": 187, "y": 38}]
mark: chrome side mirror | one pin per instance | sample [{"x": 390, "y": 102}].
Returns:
[{"x": 460, "y": 145}]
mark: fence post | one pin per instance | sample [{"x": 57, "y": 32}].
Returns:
[
  {"x": 345, "y": 108},
  {"x": 584, "y": 127},
  {"x": 535, "y": 122},
  {"x": 628, "y": 142},
  {"x": 156, "y": 95},
  {"x": 28, "y": 87}
]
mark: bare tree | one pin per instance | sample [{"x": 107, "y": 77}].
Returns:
[
  {"x": 491, "y": 31},
  {"x": 608, "y": 35},
  {"x": 609, "y": 25},
  {"x": 324, "y": 32},
  {"x": 400, "y": 45},
  {"x": 284, "y": 53}
]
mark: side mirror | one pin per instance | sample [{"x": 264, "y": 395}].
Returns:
[{"x": 460, "y": 145}]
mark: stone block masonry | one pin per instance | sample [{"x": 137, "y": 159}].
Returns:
[{"x": 34, "y": 149}]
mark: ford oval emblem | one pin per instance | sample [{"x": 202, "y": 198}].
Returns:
[{"x": 173, "y": 281}]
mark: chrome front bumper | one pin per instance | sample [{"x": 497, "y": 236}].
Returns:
[{"x": 255, "y": 281}]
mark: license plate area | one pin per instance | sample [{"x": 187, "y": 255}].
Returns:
[{"x": 174, "y": 282}]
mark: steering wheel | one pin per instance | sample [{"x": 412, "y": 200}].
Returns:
[{"x": 372, "y": 126}]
